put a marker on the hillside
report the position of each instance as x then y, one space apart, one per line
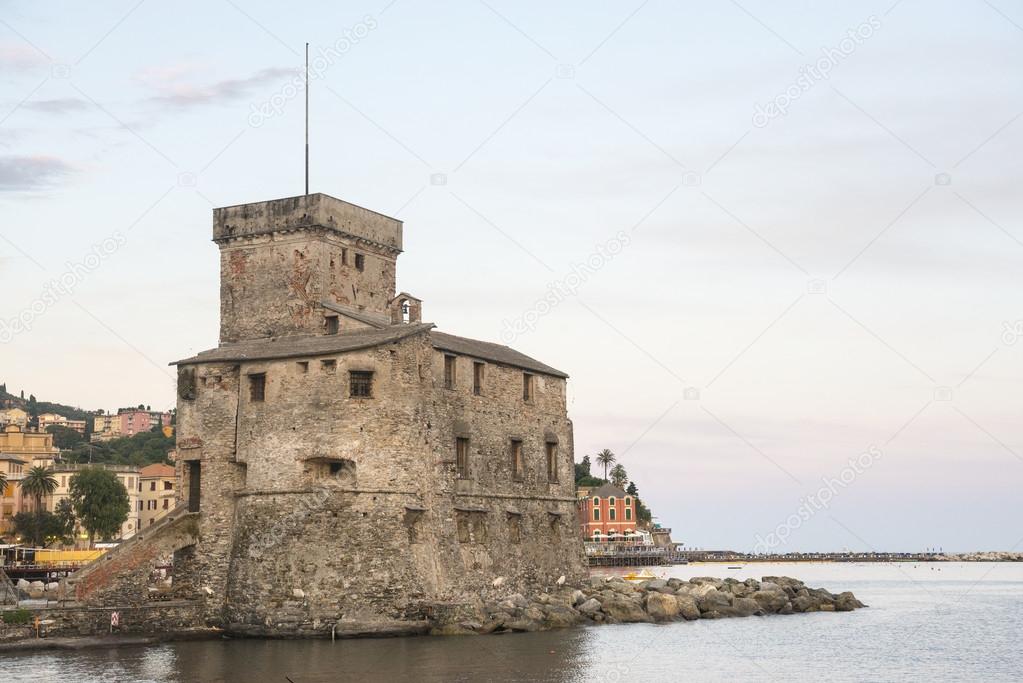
9 400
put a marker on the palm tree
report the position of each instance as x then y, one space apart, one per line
619 476
605 458
37 483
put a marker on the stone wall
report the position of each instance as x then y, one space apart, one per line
121 576
161 619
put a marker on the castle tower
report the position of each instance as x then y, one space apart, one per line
282 260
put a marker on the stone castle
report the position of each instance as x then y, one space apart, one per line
348 466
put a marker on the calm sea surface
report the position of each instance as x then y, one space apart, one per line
949 622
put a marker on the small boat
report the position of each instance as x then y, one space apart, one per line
644 575
735 567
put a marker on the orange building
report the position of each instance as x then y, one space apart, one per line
606 513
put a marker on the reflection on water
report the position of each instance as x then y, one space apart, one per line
953 621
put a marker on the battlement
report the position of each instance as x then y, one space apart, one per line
315 211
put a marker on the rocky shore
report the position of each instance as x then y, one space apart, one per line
614 600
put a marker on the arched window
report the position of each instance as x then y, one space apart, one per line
611 501
596 514
628 501
611 514
596 534
596 501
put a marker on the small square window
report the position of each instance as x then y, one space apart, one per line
257 387
361 384
331 323
344 256
303 366
329 366
360 262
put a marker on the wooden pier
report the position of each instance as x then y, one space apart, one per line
630 555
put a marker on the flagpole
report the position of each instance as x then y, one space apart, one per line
307 119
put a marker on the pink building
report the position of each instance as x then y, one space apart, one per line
138 420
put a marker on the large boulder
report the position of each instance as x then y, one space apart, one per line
714 600
771 601
591 606
661 606
625 610
698 590
746 607
804 603
562 617
687 607
846 602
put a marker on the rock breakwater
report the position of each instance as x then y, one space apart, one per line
615 600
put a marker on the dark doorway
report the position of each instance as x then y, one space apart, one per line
194 483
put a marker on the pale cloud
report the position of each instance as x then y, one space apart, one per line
61 105
20 57
26 173
177 93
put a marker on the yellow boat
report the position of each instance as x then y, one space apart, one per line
644 575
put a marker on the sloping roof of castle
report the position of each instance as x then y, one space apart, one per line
492 352
326 344
305 345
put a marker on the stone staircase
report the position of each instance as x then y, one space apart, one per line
121 576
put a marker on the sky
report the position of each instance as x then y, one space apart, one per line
777 246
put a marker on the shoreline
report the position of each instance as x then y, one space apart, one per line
600 601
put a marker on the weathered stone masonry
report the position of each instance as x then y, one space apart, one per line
322 506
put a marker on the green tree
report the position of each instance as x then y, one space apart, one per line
632 490
64 511
605 458
3 484
618 475
65 438
33 405
100 502
38 528
37 483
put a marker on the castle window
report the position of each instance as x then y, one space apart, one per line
329 366
361 384
596 514
477 378
516 455
514 527
257 387
462 457
552 462
527 387
360 262
332 325
462 526
344 256
450 368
